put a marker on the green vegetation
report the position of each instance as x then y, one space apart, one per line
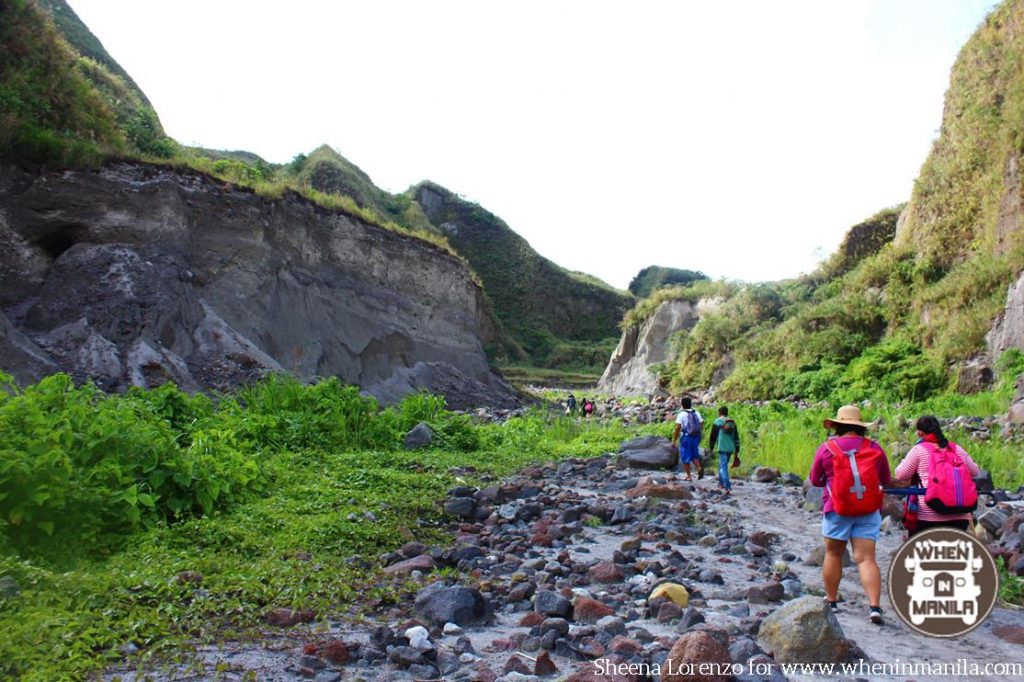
539 376
279 496
559 318
268 494
654 277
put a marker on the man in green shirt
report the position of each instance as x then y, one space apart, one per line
726 438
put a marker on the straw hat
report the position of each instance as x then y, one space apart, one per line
847 414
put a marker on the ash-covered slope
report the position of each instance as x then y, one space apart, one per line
135 274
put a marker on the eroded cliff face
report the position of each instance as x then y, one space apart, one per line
629 371
136 275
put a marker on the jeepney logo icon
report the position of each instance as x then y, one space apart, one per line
943 582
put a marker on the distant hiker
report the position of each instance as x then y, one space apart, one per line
687 434
946 472
852 470
570 404
588 407
726 438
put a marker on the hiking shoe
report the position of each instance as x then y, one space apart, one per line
834 605
875 615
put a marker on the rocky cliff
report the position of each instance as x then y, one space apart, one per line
135 274
631 370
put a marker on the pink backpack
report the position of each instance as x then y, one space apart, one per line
950 489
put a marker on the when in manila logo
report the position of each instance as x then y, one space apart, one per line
943 582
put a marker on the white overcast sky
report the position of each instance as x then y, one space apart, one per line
740 138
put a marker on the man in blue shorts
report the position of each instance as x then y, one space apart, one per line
687 434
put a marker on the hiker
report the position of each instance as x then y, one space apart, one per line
852 469
917 469
726 437
570 405
588 407
687 434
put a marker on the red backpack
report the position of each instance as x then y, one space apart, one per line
950 489
855 488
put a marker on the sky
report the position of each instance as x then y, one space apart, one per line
742 138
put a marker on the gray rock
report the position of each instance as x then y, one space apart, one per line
650 452
462 507
612 625
805 631
406 656
9 587
993 519
813 498
742 649
421 671
791 479
440 604
420 436
552 604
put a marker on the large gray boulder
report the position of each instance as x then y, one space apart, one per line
649 452
439 604
805 631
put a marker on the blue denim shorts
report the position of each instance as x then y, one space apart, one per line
839 527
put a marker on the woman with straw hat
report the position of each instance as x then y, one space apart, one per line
852 469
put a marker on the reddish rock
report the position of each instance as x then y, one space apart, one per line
587 610
531 619
310 649
625 646
541 540
516 664
667 611
502 645
606 572
1010 633
336 651
544 665
691 650
287 617
762 538
765 593
1011 525
422 563
307 672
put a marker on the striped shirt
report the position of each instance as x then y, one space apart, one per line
917 461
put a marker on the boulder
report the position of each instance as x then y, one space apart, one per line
422 563
763 474
805 631
588 610
650 452
691 650
420 436
439 604
462 507
552 604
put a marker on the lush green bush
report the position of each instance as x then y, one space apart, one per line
79 469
